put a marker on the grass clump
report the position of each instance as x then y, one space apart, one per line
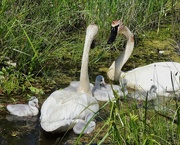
127 124
31 31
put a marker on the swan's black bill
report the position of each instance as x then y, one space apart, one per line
113 35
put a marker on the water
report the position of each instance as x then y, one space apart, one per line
15 131
27 131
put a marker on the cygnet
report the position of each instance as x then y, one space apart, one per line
104 92
22 110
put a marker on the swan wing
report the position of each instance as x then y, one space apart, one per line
62 107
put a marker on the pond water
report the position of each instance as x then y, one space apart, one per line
15 131
27 131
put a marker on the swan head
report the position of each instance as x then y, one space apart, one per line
100 81
92 30
116 27
33 102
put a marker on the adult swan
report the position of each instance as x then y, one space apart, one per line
164 75
63 109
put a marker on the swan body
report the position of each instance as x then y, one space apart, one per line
25 110
165 75
74 85
63 109
104 92
141 95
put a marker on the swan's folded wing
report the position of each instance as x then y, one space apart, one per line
61 109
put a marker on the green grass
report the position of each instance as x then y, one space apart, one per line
45 39
32 31
127 124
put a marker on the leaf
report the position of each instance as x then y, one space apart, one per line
36 90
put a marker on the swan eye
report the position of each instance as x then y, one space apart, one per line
176 73
115 28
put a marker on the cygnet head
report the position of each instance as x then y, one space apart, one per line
33 102
153 89
123 82
100 81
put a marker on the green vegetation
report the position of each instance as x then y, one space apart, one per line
41 48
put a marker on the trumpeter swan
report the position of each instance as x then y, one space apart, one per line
104 92
22 110
63 109
165 75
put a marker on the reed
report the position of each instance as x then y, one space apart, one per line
32 31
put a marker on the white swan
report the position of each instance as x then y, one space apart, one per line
104 92
63 109
22 110
165 75
141 95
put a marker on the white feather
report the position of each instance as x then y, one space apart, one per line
164 75
64 108
30 109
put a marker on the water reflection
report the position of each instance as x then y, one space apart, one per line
19 131
23 121
16 130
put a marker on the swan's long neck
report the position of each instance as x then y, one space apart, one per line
84 77
115 71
